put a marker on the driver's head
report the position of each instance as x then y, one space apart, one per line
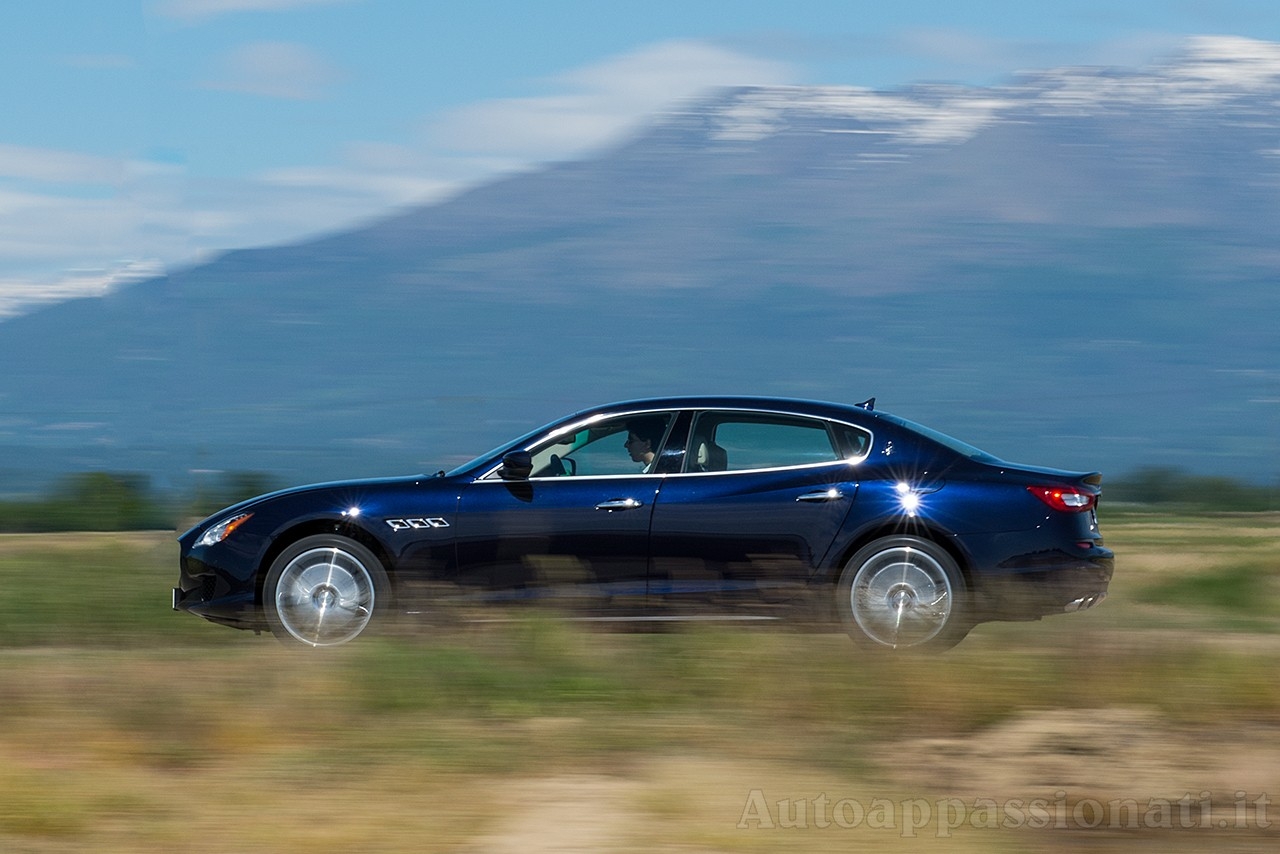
644 435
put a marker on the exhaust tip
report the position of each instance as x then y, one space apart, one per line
1084 603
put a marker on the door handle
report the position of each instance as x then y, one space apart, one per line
831 494
619 504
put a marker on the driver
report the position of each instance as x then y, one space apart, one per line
644 435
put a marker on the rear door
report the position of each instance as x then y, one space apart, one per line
760 500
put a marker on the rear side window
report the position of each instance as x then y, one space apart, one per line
740 441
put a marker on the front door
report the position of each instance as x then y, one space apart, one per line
576 532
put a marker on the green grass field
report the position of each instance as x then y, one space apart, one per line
126 727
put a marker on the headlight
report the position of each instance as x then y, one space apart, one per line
222 530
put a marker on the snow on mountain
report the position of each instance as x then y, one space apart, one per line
19 296
1211 72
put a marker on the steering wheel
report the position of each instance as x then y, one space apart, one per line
559 467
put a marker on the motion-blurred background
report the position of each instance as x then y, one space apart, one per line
327 239
248 243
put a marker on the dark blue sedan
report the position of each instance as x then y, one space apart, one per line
671 509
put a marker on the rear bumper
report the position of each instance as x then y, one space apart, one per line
1057 583
1084 603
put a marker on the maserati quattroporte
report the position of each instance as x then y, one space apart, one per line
671 509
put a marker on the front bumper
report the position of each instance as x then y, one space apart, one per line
239 611
224 595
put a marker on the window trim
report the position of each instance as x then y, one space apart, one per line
799 416
491 474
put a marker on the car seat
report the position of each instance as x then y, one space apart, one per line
709 456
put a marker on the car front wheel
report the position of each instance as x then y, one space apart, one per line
324 590
901 593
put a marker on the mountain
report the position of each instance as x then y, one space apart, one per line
1077 269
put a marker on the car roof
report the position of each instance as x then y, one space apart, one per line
776 404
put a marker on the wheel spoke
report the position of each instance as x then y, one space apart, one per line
901 597
325 596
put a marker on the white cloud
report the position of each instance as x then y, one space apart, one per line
379 188
63 210
60 167
42 229
202 10
593 105
276 70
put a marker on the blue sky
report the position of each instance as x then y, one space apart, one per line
137 136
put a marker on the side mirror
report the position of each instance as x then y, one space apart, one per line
516 465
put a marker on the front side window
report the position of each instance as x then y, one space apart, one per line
616 446
742 441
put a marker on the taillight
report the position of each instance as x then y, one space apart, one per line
1067 499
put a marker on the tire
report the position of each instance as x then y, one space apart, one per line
323 591
903 593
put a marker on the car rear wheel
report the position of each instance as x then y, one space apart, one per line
324 590
903 593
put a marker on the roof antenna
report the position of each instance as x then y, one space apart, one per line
869 404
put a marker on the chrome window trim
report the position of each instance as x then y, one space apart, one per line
797 467
490 475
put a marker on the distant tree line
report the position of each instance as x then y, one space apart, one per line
123 501
1170 487
113 501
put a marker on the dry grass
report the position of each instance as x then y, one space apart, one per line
150 731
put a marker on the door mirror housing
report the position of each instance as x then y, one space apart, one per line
516 465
